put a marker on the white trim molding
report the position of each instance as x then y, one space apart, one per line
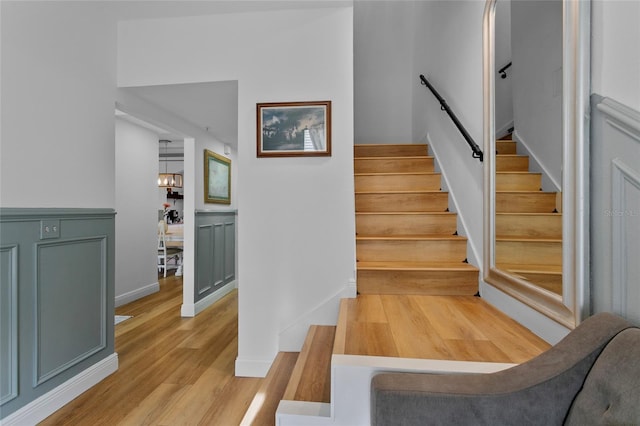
291 338
625 188
47 404
193 309
136 294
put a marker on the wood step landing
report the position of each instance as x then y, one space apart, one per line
464 328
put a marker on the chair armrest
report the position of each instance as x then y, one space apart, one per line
460 399
539 391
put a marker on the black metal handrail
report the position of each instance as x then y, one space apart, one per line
503 70
477 152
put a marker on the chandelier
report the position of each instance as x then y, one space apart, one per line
166 179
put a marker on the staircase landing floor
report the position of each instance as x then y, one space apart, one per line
462 328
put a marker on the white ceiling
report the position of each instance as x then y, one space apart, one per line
157 9
212 106
209 106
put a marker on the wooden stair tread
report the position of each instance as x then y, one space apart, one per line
311 376
517 172
523 191
549 269
405 157
412 191
527 214
398 213
434 237
397 174
529 239
273 388
416 266
390 144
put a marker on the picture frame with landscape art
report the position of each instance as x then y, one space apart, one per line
294 129
217 178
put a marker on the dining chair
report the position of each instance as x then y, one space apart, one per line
166 253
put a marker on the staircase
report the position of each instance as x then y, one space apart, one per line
406 238
415 309
528 221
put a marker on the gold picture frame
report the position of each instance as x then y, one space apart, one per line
217 178
294 129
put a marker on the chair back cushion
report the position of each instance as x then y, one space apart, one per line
611 392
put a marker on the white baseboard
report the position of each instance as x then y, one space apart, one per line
326 313
549 183
252 367
42 407
546 328
193 309
136 294
473 253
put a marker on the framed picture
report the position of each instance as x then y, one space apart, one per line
217 178
289 129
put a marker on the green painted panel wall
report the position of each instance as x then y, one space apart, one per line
63 269
215 251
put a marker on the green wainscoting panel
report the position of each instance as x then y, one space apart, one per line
8 323
204 254
215 251
56 296
75 267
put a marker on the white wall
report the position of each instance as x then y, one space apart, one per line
503 86
136 150
615 67
615 56
383 74
536 45
58 75
295 215
448 51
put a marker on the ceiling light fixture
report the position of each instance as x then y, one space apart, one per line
166 179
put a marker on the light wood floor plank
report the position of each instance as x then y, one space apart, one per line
172 370
413 332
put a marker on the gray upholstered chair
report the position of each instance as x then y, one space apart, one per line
590 377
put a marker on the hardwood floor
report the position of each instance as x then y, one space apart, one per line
172 371
180 371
